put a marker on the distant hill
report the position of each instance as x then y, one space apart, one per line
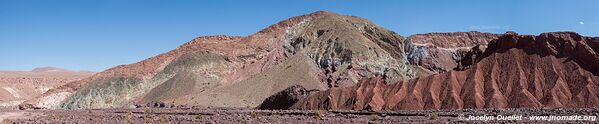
49 69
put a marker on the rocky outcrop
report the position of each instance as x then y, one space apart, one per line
285 99
442 52
552 70
317 51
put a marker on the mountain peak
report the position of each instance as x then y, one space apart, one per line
323 12
296 20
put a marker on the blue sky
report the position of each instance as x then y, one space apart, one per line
96 35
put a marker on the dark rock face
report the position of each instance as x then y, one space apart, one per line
469 57
27 107
552 70
285 98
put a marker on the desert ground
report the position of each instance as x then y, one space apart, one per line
245 115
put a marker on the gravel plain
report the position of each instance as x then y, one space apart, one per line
244 115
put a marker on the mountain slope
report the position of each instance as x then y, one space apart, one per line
18 86
318 51
552 70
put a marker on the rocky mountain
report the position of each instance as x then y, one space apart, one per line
18 86
552 70
318 51
325 60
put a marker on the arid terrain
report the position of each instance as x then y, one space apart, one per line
240 115
325 67
317 51
18 86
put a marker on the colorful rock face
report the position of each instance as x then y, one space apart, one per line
441 52
552 70
324 50
317 51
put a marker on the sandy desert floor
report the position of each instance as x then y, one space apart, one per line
240 115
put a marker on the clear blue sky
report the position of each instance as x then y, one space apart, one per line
99 34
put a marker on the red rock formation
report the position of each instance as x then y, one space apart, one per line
553 70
